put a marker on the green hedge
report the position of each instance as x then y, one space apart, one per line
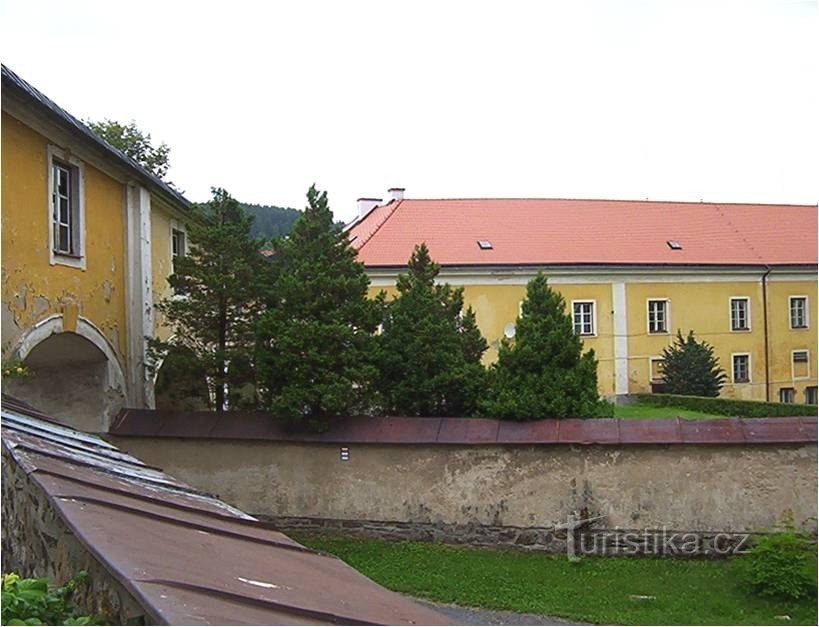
727 406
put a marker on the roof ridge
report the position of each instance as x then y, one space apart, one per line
624 200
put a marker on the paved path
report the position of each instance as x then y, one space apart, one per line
477 616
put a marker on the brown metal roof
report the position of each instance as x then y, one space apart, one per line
403 430
185 556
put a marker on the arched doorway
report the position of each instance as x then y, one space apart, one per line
73 375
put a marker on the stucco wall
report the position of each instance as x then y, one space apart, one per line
32 288
685 487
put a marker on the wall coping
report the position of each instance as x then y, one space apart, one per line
263 426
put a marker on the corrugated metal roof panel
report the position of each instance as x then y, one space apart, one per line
186 556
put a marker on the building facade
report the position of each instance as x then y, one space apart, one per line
88 240
633 273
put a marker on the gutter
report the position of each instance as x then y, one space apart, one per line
768 270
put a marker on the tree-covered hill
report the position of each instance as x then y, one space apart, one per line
271 221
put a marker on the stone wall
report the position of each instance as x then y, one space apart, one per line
514 495
37 543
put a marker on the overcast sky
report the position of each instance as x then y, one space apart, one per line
659 100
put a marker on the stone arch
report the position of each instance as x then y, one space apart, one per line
74 374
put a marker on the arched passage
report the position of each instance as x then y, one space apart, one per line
74 375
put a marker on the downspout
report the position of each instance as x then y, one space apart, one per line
765 330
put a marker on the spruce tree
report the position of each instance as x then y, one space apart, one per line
690 367
428 353
315 337
544 372
217 297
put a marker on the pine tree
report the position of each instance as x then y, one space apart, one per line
217 297
544 373
315 337
428 354
690 367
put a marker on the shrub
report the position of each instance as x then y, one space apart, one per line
727 406
429 352
781 564
690 367
34 602
544 373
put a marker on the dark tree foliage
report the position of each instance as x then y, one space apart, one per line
691 368
217 299
270 221
135 143
428 354
544 372
315 337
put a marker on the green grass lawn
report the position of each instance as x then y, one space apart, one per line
597 590
650 411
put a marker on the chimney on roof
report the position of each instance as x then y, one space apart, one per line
396 193
365 205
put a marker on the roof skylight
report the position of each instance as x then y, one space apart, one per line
484 244
674 244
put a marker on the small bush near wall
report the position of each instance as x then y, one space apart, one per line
727 406
782 564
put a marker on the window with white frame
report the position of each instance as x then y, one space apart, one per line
65 208
799 312
810 395
800 364
177 243
583 317
786 395
658 316
741 368
740 314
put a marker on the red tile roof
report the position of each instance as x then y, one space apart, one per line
554 231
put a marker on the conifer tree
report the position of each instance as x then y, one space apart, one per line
544 372
315 337
690 367
217 296
428 353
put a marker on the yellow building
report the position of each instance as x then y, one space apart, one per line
742 276
87 243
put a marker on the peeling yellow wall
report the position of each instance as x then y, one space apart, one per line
161 264
32 288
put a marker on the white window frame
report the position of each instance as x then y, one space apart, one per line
651 360
750 369
793 366
77 259
807 312
667 302
747 300
593 303
176 226
792 395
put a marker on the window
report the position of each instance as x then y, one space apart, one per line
799 312
177 243
658 316
740 314
583 317
484 244
656 368
810 395
177 250
65 209
741 368
786 395
800 364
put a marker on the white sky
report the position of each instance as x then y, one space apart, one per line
661 100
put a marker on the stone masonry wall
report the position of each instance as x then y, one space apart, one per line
37 543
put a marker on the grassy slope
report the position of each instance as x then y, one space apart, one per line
593 589
650 411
